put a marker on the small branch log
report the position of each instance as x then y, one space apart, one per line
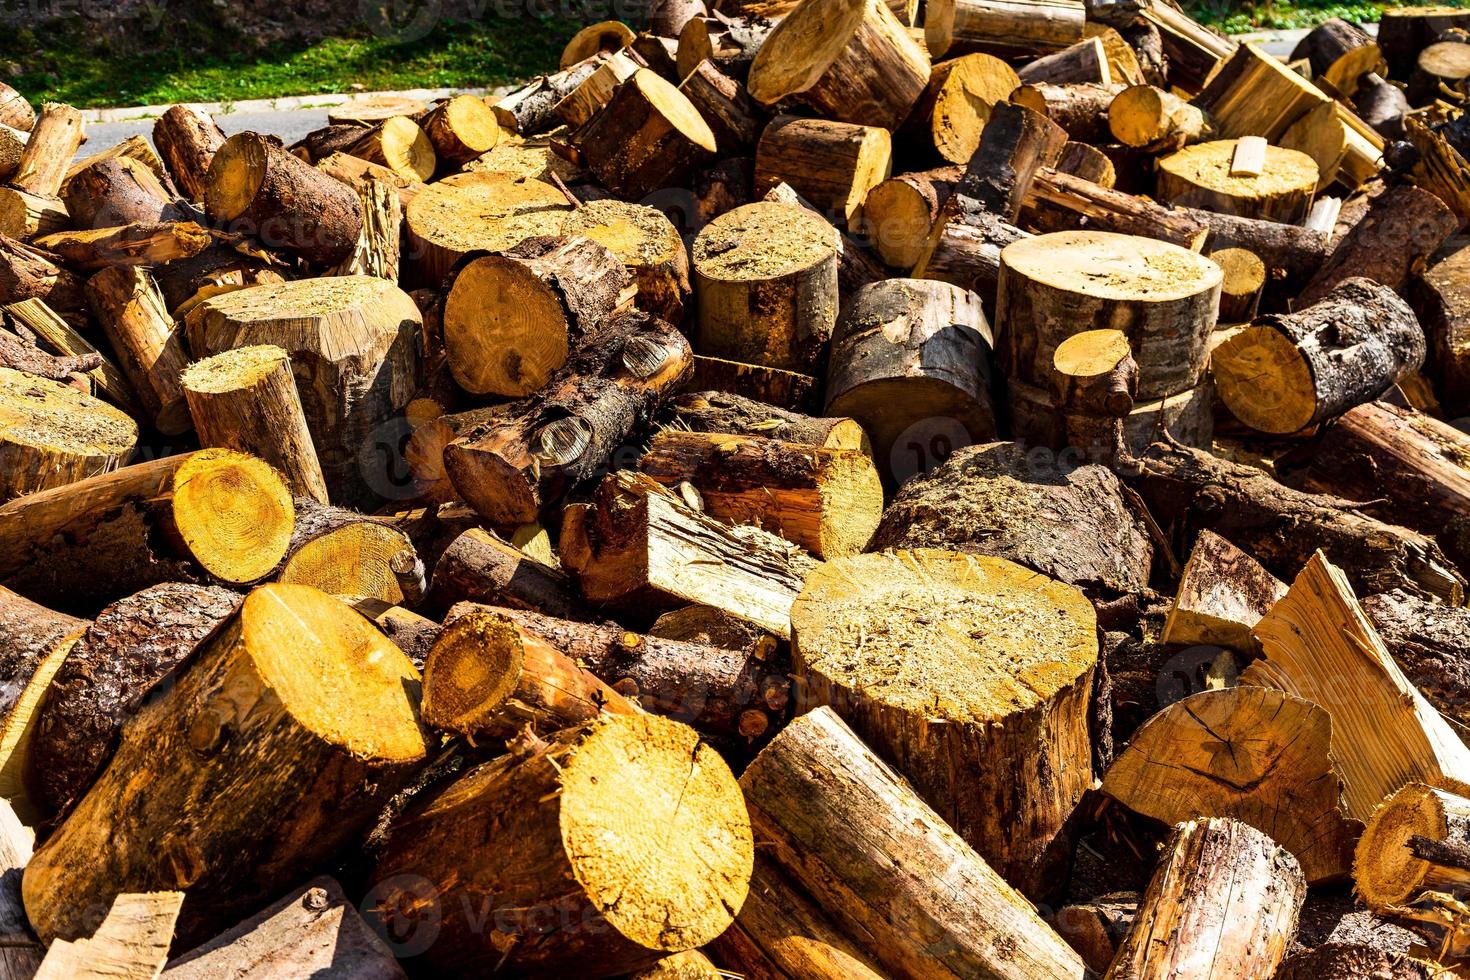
832 164
461 128
399 144
187 139
898 214
479 567
733 116
730 414
531 109
1414 842
130 309
1155 121
1081 110
1082 63
1059 201
118 191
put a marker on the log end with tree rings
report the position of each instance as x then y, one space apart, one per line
1388 869
1200 176
961 94
649 247
1265 381
352 561
372 109
52 434
1240 289
603 37
478 212
1446 61
234 514
402 146
461 129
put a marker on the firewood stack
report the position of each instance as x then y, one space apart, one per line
817 489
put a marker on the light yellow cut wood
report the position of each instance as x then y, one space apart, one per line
1249 158
1385 871
234 513
131 944
1202 176
52 434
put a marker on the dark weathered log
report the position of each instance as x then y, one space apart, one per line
118 191
1058 201
1081 110
479 567
1403 227
722 412
187 139
1431 644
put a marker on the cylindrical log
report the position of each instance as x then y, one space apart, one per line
967 254
766 286
1016 144
531 109
346 554
728 414
1289 371
479 567
236 800
1403 227
1010 25
1339 52
132 645
511 320
49 151
625 830
26 216
648 136
898 215
1222 905
1088 163
649 247
128 305
1382 105
733 116
1082 63
482 212
668 17
1059 201
399 144
15 111
850 60
1202 176
605 36
187 139
1151 119
850 912
51 434
856 266
1240 289
1164 298
910 363
256 187
832 164
1292 253
231 513
461 128
29 273
958 101
729 43
118 191
1405 31
1081 110
1093 381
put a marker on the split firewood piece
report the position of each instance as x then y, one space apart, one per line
1255 94
257 187
118 191
1440 296
1431 644
12 147
1339 52
527 456
958 101
26 216
648 879
399 144
1249 157
649 247
856 265
29 273
729 43
766 285
1223 593
351 556
910 365
15 111
850 60
132 645
377 250
530 109
1403 227
188 139
1163 297
1203 176
485 212
1094 928
98 248
461 128
731 693
1222 905
1283 527
826 500
1088 163
733 116
53 142
136 149
1240 289
604 37
729 414
648 136
1081 110
786 389
51 434
1346 149
1016 143
1192 51
1082 63
921 688
1417 840
1014 26
1318 642
21 953
128 305
480 567
58 335
616 544
1154 120
832 164
1074 526
511 320
1057 201
245 399
182 802
1093 381
818 771
967 254
313 931
898 215
353 343
487 677
1292 370
1250 754
130 944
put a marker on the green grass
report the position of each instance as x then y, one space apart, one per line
1241 18
487 52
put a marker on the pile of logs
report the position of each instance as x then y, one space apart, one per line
982 489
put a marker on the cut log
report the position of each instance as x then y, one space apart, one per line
1254 94
784 389
641 876
39 319
766 286
15 111
1417 840
399 144
245 399
133 644
1289 371
511 320
530 109
649 247
729 43
1431 644
29 273
1440 296
634 544
1339 52
461 128
1187 418
231 513
668 17
1083 63
355 172
1008 25
1093 381
832 164
52 434
1081 110
1059 201
844 893
1292 254
130 944
958 101
118 191
348 555
448 221
1403 227
967 254
479 567
1405 31
23 355
1015 145
604 37
729 414
98 248
229 805
1205 176
1250 754
1070 524
487 677
1163 297
910 364
1095 928
1154 120
314 931
53 142
187 139
1223 904
1382 105
1240 289
512 466
648 136
688 965
26 216
898 215
1192 51
733 116
852 61
856 265
1318 643
1223 593
352 341
1088 163
1345 148
127 303
927 695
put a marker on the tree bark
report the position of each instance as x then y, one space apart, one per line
1081 110
128 305
531 108
479 567
461 128
1060 201
1082 63
53 142
648 245
728 414
832 164
1431 644
647 137
51 434
188 139
118 191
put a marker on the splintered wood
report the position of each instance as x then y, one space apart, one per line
811 489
